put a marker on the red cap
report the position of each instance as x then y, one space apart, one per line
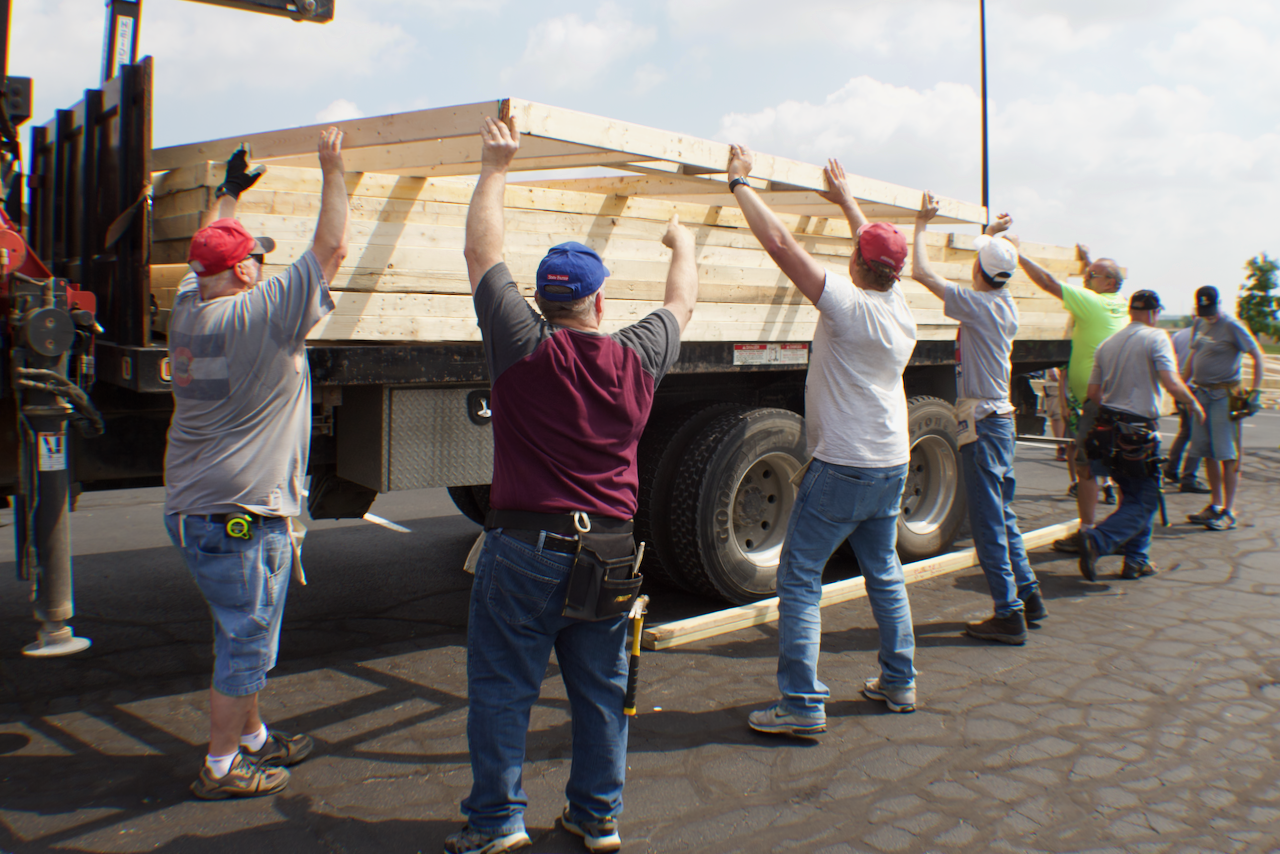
221 245
884 244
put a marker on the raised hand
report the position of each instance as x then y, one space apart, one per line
1002 223
330 151
676 233
740 161
928 207
837 191
500 141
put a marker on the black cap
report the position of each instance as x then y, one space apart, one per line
1207 301
1145 301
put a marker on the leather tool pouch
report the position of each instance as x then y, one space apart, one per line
603 582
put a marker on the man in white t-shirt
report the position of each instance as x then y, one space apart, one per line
856 426
988 319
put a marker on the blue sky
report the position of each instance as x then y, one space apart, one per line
1149 130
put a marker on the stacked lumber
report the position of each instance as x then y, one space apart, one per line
405 279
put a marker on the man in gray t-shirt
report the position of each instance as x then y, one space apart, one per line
1218 341
236 455
988 322
1129 369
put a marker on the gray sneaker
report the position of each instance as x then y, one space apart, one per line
597 834
898 699
1224 521
776 719
471 840
1204 515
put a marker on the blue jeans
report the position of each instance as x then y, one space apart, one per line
989 485
515 621
245 583
837 503
1129 527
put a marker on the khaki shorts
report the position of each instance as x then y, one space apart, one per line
1052 402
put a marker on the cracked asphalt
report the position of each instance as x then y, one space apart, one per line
1141 716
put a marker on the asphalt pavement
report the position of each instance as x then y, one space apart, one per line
1140 717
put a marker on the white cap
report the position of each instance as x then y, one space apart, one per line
998 257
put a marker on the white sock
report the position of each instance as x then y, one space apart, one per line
255 741
220 765
1216 508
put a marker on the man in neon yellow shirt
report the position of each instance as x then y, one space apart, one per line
1098 312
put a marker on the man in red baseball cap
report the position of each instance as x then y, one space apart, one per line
236 455
856 426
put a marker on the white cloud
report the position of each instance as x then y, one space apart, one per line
646 78
338 111
570 53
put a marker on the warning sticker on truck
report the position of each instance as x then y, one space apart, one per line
771 354
52 449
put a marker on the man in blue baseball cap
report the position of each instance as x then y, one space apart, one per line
569 404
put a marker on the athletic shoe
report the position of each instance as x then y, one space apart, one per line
898 699
598 834
1224 521
1170 475
1137 570
1088 557
471 840
1070 545
1194 486
1203 516
775 719
1108 495
1033 610
245 779
1074 489
281 749
1011 629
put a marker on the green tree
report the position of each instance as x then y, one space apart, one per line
1257 306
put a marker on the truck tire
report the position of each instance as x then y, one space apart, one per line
662 448
731 498
933 501
471 501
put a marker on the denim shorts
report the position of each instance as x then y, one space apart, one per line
245 583
1217 437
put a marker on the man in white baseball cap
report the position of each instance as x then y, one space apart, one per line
988 321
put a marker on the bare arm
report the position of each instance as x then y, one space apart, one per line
1093 392
330 243
1042 277
486 217
682 276
1174 385
805 273
839 194
920 269
226 207
1259 368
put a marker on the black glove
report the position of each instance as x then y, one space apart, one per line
239 176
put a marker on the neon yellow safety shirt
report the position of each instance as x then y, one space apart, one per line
1097 317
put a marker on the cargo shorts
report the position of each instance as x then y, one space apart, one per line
244 583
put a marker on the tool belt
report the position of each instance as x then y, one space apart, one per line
1126 444
239 525
1217 386
605 578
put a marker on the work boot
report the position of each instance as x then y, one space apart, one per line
1070 545
1088 557
281 749
1011 629
1033 610
245 779
1137 570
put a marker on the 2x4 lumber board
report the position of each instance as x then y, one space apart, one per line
681 632
388 130
641 141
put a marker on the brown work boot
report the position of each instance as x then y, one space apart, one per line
246 779
281 749
1011 629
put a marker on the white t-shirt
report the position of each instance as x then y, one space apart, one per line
988 323
855 403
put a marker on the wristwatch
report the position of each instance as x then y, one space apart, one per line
736 182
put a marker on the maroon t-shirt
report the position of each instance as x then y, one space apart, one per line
568 406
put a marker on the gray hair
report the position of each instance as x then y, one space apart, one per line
558 312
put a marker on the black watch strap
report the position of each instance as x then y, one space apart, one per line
736 183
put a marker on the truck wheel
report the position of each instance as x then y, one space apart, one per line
731 499
471 501
933 502
662 448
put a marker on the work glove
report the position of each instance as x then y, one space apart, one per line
239 176
1253 404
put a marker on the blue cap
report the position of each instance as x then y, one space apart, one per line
570 271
